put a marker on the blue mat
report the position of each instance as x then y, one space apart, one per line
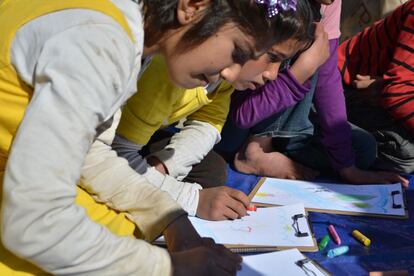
392 245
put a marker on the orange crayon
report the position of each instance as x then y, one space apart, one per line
252 207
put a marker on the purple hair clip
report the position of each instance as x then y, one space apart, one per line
275 6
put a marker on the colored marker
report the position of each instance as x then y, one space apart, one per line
361 237
338 251
324 242
252 207
334 234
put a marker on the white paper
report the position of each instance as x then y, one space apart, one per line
277 263
372 199
265 227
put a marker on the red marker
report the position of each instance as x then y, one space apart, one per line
334 234
252 207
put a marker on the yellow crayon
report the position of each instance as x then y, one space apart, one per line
360 237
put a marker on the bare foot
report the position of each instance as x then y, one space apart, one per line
258 158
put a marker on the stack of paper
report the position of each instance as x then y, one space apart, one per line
287 262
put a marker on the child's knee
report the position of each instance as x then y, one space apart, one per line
219 170
210 172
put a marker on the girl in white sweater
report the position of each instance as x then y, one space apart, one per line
65 68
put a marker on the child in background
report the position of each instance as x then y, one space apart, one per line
377 69
184 165
284 145
66 67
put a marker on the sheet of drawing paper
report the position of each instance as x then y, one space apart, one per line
277 263
273 226
372 199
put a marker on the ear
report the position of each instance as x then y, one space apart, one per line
190 11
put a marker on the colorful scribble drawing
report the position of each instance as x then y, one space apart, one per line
288 228
350 197
245 229
266 226
265 194
249 225
285 219
358 201
245 226
375 199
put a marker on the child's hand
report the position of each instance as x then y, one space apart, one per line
309 61
157 164
370 88
357 176
221 203
181 235
206 260
362 81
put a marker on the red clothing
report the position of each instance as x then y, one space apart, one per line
386 49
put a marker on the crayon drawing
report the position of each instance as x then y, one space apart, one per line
245 229
265 194
371 199
264 227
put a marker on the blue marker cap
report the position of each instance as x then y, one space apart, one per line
338 251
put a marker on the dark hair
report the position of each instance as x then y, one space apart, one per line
247 15
316 10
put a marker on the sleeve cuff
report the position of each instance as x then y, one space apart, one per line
187 196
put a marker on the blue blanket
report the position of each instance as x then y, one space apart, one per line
392 246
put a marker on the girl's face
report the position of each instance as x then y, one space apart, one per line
256 72
228 55
219 57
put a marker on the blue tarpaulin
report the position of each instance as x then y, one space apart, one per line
392 246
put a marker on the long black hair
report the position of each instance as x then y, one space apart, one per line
247 15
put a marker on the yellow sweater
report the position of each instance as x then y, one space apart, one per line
159 103
15 96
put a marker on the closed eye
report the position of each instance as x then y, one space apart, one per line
240 55
273 58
